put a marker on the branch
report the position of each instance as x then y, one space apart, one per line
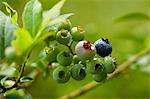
35 42
94 84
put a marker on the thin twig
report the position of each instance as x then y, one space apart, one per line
86 88
20 73
23 65
35 42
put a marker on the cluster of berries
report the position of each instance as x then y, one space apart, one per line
82 57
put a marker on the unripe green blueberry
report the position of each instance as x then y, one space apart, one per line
100 77
64 58
76 59
85 50
73 44
10 53
109 66
52 53
49 39
65 25
78 72
61 74
63 37
77 33
94 66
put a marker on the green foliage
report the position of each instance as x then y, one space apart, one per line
7 83
37 28
9 72
7 29
26 79
32 17
56 23
17 94
52 13
10 53
133 16
13 13
23 41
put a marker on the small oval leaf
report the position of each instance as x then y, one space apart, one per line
133 16
52 13
13 13
9 72
55 22
26 79
7 33
32 17
7 83
23 41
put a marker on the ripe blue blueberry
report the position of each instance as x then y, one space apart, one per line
103 47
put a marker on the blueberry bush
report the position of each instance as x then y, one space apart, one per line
46 41
63 48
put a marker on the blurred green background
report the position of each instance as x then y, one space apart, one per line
127 37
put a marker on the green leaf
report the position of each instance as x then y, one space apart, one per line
133 16
52 13
7 33
32 16
17 94
9 72
55 23
13 13
14 93
2 14
60 19
33 74
23 41
147 41
8 7
26 79
7 83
